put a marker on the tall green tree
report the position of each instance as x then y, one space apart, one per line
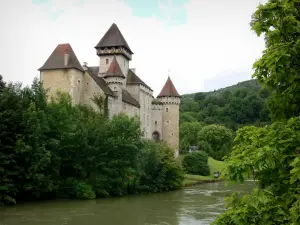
279 66
218 138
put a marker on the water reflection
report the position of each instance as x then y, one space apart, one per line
196 205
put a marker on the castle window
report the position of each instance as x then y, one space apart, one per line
167 109
167 122
172 133
155 122
107 61
125 106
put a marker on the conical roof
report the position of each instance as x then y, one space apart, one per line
56 59
113 38
168 90
114 69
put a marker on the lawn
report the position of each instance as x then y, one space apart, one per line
214 166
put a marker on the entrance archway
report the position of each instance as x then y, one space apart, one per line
156 136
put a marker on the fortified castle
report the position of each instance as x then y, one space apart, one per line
113 79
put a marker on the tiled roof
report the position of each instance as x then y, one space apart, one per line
168 90
126 97
114 69
93 72
113 38
132 78
56 59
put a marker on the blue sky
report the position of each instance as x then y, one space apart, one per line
206 44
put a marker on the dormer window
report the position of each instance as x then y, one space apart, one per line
107 61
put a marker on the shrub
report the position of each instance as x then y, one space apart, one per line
159 169
196 163
84 191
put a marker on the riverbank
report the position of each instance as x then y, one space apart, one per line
190 180
214 165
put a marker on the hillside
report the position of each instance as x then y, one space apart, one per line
233 106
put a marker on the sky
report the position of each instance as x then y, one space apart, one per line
202 44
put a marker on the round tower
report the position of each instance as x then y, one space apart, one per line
115 79
170 100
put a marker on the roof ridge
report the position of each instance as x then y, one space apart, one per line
132 78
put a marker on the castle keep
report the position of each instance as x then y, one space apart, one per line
114 79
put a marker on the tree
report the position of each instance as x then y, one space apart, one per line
218 137
2 83
279 67
188 134
196 163
271 155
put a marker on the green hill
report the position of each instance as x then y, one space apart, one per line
233 106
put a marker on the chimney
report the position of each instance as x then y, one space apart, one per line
66 58
85 66
133 70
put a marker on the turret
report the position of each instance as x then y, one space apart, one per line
115 78
170 100
111 45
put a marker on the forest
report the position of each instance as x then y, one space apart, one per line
235 106
55 150
209 120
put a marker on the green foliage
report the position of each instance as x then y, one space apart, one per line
65 150
160 171
233 107
188 134
216 140
196 163
84 191
271 155
278 68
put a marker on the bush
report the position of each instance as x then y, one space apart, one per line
84 191
196 163
159 169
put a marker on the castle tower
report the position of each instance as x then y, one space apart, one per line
170 100
113 44
115 79
62 71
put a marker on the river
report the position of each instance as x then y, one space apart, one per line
189 206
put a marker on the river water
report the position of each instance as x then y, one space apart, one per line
193 205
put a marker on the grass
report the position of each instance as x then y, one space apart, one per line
214 166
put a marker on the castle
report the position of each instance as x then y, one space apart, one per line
113 79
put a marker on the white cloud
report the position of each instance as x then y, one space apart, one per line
216 40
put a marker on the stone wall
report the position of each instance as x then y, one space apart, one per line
170 121
145 100
89 89
156 123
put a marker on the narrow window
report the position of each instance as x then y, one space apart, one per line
167 109
155 122
107 61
